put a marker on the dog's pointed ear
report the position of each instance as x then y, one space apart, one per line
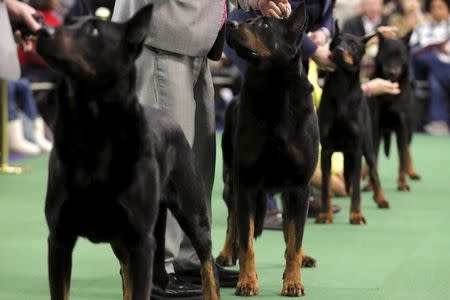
137 27
298 19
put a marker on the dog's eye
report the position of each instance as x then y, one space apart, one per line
265 25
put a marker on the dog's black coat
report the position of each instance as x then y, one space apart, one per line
270 141
395 113
345 125
116 166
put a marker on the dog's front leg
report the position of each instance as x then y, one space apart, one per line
139 270
412 173
402 146
60 266
326 214
352 162
294 218
248 280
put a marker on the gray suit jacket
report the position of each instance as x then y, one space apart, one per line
9 63
187 27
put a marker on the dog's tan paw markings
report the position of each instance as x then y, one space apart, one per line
293 289
308 262
324 218
403 186
357 219
247 288
383 204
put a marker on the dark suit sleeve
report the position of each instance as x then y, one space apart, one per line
327 17
308 47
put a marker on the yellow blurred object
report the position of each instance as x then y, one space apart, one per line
337 160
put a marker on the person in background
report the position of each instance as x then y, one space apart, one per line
431 61
408 16
173 74
367 22
20 93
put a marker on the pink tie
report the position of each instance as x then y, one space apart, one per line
224 16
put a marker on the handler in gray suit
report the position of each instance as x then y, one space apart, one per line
173 74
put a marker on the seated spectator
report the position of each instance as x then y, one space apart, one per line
431 61
367 22
408 17
19 92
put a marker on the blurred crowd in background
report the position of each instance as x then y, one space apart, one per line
31 103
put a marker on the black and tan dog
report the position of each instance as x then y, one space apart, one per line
394 113
116 166
270 144
345 126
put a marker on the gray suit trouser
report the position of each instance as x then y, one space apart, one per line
182 86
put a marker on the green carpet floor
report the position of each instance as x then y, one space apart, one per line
402 253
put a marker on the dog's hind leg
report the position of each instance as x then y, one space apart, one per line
402 146
294 217
352 163
410 169
369 156
60 266
326 214
190 210
160 277
228 255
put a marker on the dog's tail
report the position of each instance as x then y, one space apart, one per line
347 173
387 143
260 214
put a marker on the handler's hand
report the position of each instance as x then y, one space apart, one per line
275 8
378 86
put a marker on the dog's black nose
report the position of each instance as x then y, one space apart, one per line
45 31
232 24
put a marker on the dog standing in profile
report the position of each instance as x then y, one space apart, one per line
345 126
394 113
116 166
270 144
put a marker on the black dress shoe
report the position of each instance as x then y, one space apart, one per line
227 278
315 206
177 288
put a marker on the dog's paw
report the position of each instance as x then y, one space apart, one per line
383 204
414 176
357 219
225 260
381 201
247 287
403 186
324 218
308 262
293 289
